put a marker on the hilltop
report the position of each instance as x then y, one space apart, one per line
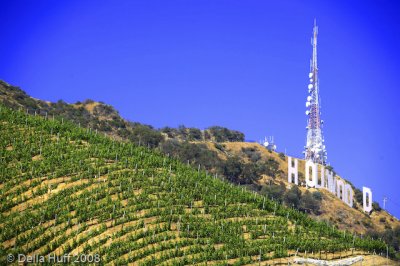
106 119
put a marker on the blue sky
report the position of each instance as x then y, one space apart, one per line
239 64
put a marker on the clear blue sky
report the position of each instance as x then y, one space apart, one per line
239 64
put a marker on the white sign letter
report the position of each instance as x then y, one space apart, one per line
314 169
348 191
367 206
293 171
331 181
340 190
322 177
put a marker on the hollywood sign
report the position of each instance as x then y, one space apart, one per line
327 180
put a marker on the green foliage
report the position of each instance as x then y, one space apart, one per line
293 196
390 236
195 134
239 172
376 207
270 167
274 191
358 195
252 154
145 135
317 195
196 154
130 204
222 134
309 203
219 146
232 169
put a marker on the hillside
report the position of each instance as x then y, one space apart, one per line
219 151
66 189
331 209
104 118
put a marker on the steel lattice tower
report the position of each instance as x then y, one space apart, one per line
315 148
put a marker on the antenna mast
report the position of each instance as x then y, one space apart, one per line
315 148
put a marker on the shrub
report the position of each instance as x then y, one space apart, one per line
375 206
219 146
195 134
252 154
222 134
274 191
317 195
292 196
358 195
232 169
308 202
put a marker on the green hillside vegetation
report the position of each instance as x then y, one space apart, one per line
104 118
219 151
65 189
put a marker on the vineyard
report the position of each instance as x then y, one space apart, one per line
66 189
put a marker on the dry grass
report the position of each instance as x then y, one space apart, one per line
349 218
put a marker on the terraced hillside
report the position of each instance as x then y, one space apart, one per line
65 189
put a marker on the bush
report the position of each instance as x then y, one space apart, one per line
308 202
358 195
269 167
195 134
195 153
292 196
317 195
222 134
274 191
232 169
366 222
375 206
171 132
145 135
252 154
219 146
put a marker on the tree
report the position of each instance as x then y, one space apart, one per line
222 134
145 135
232 169
293 196
274 191
195 134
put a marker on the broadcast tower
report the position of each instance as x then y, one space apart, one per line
315 148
